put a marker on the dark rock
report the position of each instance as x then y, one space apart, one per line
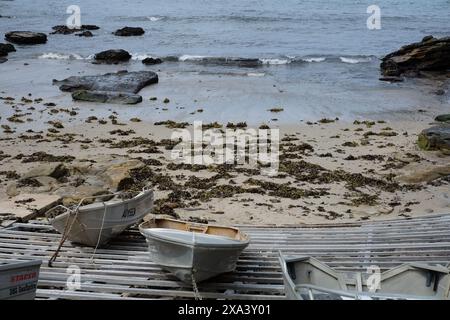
391 79
107 97
63 29
439 92
429 55
443 118
427 38
26 37
89 27
122 81
435 138
3 60
85 34
129 31
151 61
113 56
5 49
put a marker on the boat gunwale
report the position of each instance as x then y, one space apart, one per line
98 205
20 265
242 242
87 209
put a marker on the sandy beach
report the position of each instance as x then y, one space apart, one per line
331 170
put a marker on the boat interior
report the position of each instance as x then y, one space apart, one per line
229 232
420 279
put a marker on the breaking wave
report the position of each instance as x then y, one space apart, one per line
61 56
354 60
227 61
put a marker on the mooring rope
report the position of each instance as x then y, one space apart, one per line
197 295
100 233
64 237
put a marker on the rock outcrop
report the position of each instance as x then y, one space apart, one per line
129 32
430 54
435 138
54 170
112 56
118 174
26 37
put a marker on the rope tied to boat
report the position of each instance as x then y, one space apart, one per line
100 232
65 234
197 295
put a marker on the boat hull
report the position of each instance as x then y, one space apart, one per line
91 226
18 281
185 261
193 252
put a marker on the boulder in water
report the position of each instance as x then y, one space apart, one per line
6 48
430 54
112 56
129 32
151 61
26 37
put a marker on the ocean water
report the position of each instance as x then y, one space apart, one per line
266 29
318 52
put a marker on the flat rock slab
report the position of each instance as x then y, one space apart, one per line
419 173
26 37
122 81
28 205
106 97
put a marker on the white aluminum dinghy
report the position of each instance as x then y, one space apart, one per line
95 224
306 278
193 252
18 280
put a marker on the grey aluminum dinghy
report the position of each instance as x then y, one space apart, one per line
306 278
193 252
96 223
18 280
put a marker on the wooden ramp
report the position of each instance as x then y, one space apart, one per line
123 270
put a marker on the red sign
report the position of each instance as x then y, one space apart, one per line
22 277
